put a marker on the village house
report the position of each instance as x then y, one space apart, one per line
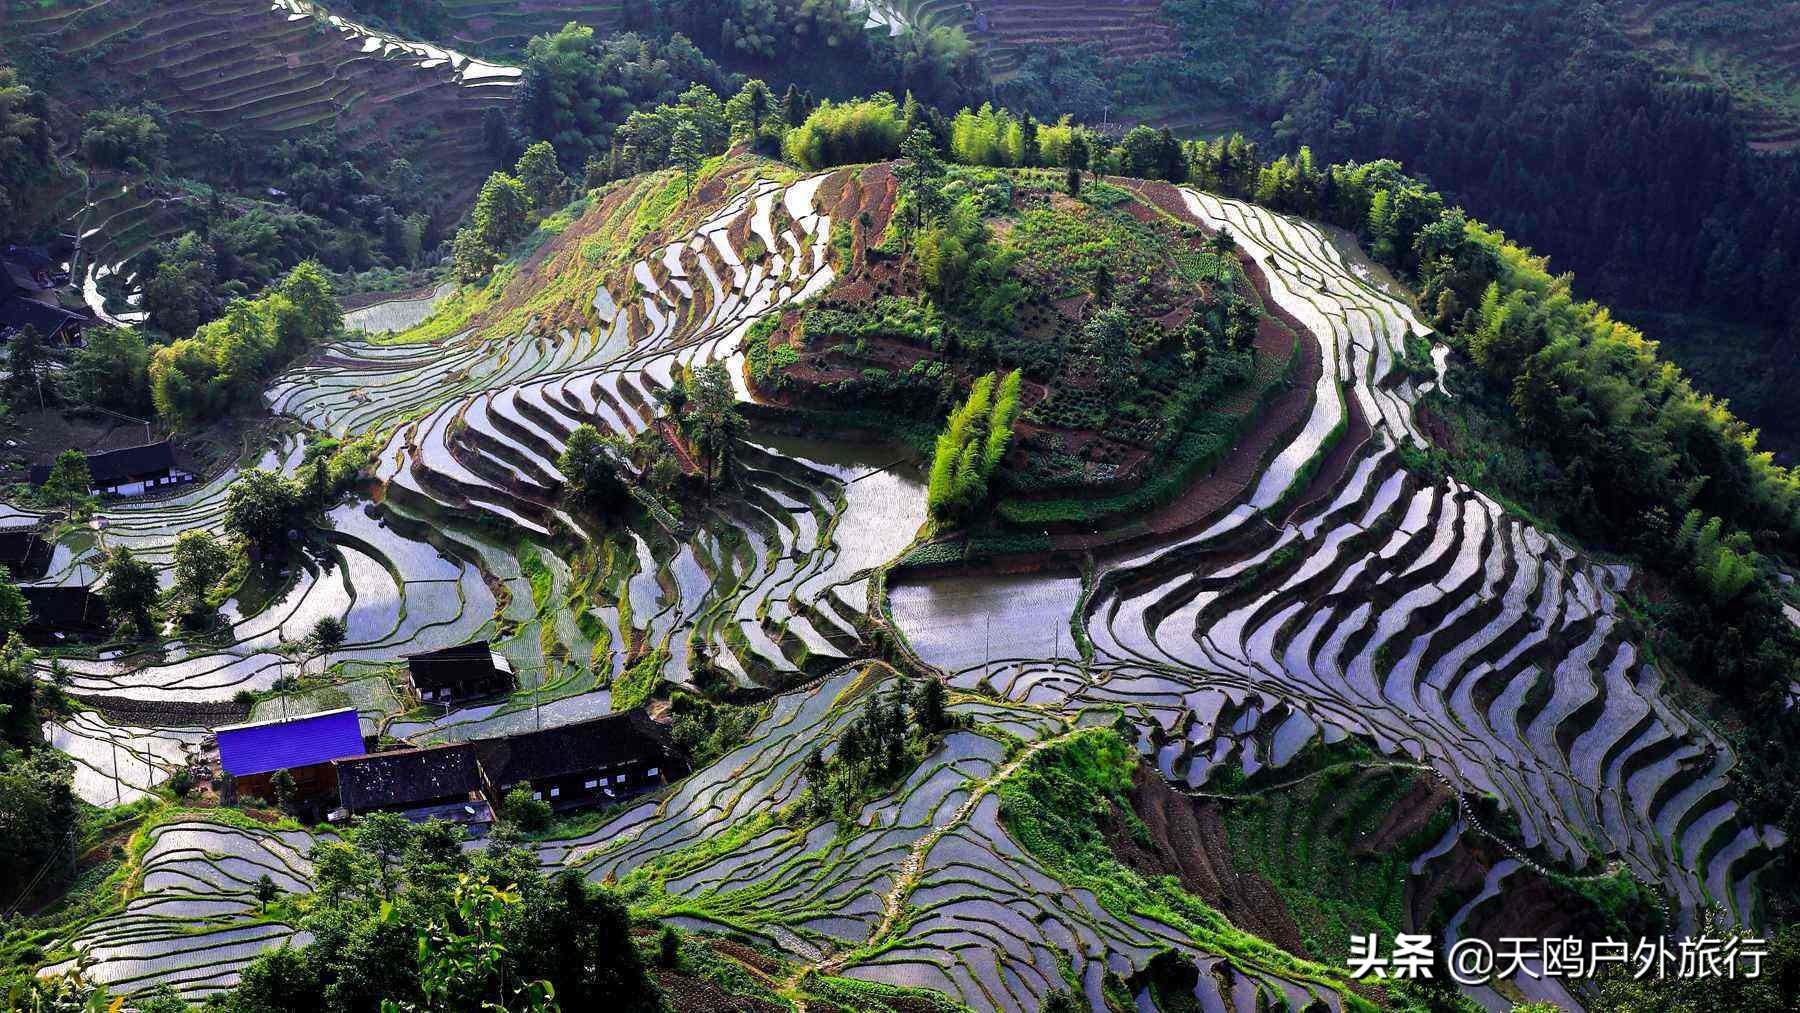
24 553
594 762
131 471
455 674
303 746
61 614
28 299
442 782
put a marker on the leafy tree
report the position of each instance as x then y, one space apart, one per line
668 948
266 890
328 635
498 221
530 814
865 130
222 365
112 371
37 821
200 563
794 107
462 955
312 311
20 727
287 792
989 136
748 111
122 139
685 153
70 483
25 147
130 589
712 419
921 177
179 292
579 89
971 447
404 914
593 482
261 507
14 609
27 360
542 176
1107 338
930 706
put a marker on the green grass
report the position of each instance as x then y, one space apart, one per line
1300 839
639 682
1056 805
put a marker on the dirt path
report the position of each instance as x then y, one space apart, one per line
894 902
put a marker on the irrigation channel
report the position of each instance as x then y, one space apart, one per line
1418 615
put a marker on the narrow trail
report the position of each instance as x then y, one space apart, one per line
894 902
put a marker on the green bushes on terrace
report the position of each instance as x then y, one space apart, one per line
220 368
1061 805
971 446
865 130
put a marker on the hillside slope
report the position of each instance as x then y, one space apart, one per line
1336 594
257 73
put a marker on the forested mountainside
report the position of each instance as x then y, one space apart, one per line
705 509
1650 147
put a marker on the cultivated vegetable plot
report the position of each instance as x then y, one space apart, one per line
1421 616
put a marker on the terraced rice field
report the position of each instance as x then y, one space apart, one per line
768 583
195 921
1338 595
1005 30
929 874
1422 616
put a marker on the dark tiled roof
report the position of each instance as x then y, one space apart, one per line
451 666
49 320
408 778
24 554
110 467
573 749
65 609
283 745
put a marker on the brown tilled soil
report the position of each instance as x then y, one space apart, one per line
1435 429
1187 841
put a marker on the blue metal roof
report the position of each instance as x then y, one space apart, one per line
296 742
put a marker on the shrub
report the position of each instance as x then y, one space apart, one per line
529 814
971 446
865 130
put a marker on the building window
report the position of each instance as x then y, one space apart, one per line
652 772
590 785
554 792
537 796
